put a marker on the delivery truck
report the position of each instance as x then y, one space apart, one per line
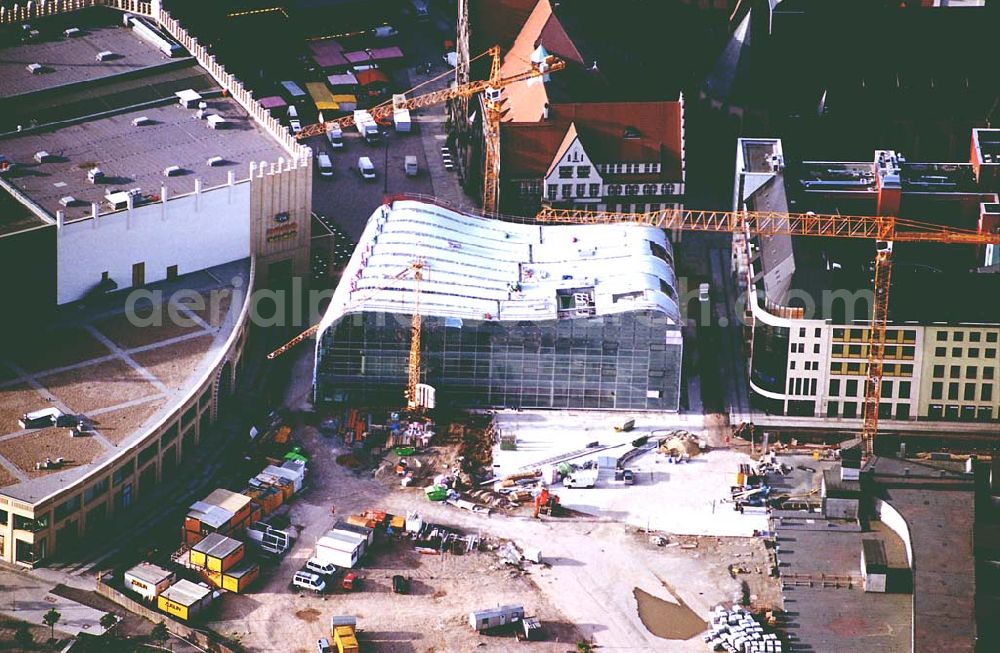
367 126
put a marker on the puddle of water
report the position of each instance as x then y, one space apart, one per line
665 619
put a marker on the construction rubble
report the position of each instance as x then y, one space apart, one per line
738 631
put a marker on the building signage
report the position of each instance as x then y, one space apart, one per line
282 232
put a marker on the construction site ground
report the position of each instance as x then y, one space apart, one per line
594 568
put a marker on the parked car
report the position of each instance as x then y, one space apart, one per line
366 168
295 125
323 645
350 581
321 567
400 584
628 476
703 292
308 580
324 164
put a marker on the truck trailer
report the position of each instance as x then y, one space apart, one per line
367 126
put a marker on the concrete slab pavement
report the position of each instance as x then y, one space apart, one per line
28 598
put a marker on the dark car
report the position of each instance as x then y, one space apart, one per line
400 584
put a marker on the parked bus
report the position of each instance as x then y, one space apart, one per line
323 99
294 93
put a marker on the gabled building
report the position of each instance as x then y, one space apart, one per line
613 156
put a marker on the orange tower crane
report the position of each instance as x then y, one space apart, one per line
883 229
491 123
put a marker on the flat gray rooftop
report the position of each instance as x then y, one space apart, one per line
135 157
835 619
939 508
68 60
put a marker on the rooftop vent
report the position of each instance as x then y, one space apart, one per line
72 32
171 171
69 200
105 55
140 121
94 175
35 68
216 121
215 161
42 156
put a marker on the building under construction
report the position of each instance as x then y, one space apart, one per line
513 315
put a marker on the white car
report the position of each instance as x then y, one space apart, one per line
295 125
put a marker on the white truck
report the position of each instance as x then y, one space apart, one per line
366 125
401 118
582 478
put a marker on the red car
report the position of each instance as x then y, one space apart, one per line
350 581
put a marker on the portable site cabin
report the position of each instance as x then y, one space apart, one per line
874 565
148 580
217 552
237 578
203 519
340 551
275 104
236 503
363 531
185 599
496 617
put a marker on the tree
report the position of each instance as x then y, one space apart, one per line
23 636
159 633
50 619
108 623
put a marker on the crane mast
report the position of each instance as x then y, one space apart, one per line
413 365
883 229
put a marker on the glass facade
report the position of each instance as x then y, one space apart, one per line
624 361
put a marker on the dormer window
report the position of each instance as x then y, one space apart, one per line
631 133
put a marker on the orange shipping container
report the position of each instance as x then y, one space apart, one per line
360 520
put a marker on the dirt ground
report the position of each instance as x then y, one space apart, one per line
97 386
173 364
593 569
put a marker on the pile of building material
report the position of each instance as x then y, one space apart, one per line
737 631
682 444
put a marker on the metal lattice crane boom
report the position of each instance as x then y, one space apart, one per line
883 229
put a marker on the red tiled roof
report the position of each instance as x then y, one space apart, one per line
528 148
497 22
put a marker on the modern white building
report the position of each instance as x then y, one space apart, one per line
513 314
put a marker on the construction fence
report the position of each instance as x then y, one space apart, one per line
206 640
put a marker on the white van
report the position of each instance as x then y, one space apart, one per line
320 566
292 111
366 168
410 166
307 580
336 137
324 164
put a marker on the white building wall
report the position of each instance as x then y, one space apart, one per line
193 232
574 157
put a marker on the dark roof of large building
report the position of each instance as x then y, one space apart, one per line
609 132
939 509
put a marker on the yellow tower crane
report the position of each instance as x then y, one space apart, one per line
413 399
491 122
883 229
